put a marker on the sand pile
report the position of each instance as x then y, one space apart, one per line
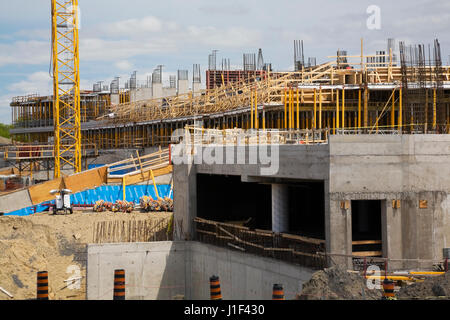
336 283
56 244
431 288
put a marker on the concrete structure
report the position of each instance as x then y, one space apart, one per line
163 270
413 169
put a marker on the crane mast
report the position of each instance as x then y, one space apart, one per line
66 86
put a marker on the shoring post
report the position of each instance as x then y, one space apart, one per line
337 109
123 188
343 107
320 107
298 110
400 110
285 108
315 110
393 110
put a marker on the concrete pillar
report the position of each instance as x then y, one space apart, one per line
115 98
196 87
183 86
184 200
157 90
280 208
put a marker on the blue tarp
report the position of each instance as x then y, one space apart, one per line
106 193
119 172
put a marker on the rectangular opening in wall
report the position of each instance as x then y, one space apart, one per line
307 209
224 198
366 228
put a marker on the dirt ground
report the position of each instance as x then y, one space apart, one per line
56 244
336 283
432 288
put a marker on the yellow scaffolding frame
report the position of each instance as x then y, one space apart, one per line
66 85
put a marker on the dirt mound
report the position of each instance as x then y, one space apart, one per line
56 244
431 288
336 283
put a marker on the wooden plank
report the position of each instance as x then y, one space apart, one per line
41 192
363 242
82 181
367 253
304 239
137 177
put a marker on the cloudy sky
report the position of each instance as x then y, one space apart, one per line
119 37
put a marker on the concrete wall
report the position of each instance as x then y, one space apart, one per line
140 94
183 86
408 168
15 201
243 276
153 271
163 270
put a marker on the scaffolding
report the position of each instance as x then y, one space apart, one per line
66 86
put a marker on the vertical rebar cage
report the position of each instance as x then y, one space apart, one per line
66 85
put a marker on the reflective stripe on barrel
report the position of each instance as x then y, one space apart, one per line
388 288
216 294
278 292
119 284
42 285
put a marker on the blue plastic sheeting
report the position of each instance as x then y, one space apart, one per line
117 173
113 193
106 193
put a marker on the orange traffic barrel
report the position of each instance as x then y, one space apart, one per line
216 294
42 285
388 289
278 292
119 284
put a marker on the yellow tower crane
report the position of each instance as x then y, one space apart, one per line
66 85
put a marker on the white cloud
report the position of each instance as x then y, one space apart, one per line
38 82
133 26
25 52
123 65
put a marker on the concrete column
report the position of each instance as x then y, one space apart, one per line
339 232
115 98
185 200
157 90
196 87
280 208
183 86
391 231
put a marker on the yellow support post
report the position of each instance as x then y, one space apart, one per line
298 110
320 107
426 111
343 108
251 106
154 184
256 110
393 110
315 110
123 189
366 107
291 108
285 108
400 107
434 109
337 109
359 108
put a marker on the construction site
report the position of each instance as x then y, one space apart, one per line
242 184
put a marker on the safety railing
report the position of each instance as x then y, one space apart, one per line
138 164
287 247
38 152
